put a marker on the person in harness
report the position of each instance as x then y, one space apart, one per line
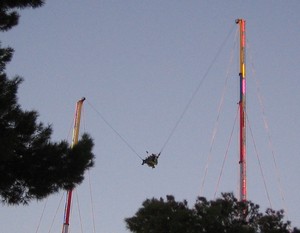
151 160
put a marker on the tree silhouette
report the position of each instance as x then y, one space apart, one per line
31 165
223 215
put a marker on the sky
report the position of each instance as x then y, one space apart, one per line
161 75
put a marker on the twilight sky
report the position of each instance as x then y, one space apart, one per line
139 64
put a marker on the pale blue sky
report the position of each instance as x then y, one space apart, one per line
138 63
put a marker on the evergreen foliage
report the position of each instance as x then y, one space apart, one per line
223 215
9 16
31 165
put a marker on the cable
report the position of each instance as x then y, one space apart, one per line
259 163
92 202
267 128
116 132
40 220
196 90
79 212
57 209
226 154
216 125
184 110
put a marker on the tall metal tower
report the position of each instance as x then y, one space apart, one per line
77 117
242 109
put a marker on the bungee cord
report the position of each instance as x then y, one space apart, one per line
113 129
151 160
185 109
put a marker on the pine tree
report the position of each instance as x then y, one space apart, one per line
9 16
223 215
31 165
